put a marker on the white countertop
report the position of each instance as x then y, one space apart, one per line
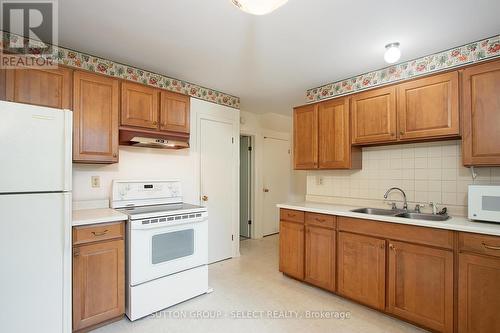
95 211
98 215
458 223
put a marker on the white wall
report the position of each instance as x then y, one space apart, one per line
425 171
138 163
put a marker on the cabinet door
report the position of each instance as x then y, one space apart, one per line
481 114
428 107
292 249
374 116
174 112
478 294
305 137
98 283
361 269
421 285
95 118
45 87
334 136
139 106
320 257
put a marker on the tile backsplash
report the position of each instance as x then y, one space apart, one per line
425 171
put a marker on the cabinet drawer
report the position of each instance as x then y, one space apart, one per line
322 220
98 232
292 215
412 234
482 244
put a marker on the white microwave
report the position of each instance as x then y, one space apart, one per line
484 203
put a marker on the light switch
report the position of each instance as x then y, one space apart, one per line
95 181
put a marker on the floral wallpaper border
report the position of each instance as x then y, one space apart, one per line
79 60
482 50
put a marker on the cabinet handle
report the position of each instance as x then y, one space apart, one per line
155 123
402 132
115 155
76 252
382 246
392 247
99 233
490 247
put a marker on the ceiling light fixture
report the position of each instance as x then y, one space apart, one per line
258 7
392 53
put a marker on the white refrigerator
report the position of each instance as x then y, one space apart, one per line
35 218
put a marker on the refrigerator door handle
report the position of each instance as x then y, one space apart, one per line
68 149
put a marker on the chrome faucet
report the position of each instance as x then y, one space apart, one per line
405 204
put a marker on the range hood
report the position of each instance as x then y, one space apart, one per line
154 139
141 141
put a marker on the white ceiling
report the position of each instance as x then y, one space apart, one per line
269 61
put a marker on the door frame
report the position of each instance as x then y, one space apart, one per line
252 183
257 135
202 110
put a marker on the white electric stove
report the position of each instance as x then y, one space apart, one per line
167 245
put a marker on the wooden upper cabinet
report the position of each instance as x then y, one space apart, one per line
291 249
481 114
44 87
361 269
140 105
305 137
421 285
478 294
174 112
95 118
98 283
428 107
373 116
335 151
320 257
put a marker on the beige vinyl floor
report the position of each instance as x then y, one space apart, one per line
250 295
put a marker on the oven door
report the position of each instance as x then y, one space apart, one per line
159 250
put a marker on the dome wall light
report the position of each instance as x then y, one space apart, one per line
392 53
258 7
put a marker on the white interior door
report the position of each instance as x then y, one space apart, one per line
217 185
276 176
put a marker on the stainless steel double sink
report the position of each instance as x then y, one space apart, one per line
402 213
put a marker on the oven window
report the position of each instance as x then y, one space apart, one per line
172 245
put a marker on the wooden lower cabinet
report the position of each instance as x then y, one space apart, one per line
361 269
291 249
320 257
98 283
478 294
420 285
441 280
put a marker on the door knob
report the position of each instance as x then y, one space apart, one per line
204 198
266 190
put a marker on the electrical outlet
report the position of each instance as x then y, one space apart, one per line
95 181
319 180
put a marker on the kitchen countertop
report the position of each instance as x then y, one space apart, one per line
457 223
95 211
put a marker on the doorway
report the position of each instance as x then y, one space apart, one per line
276 181
245 186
